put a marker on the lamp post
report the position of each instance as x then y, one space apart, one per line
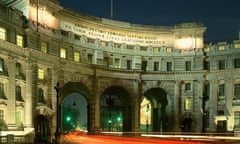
57 133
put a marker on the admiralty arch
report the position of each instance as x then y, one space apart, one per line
163 78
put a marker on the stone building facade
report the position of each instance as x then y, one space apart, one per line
190 86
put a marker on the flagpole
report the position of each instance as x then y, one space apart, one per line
111 9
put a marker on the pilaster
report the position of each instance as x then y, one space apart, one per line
177 105
11 113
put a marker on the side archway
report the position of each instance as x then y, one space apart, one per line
158 102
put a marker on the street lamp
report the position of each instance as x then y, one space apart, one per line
57 133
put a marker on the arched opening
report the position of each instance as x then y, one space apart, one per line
186 125
74 107
115 110
74 113
42 131
154 104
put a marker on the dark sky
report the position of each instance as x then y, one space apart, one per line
221 17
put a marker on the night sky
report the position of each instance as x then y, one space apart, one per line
221 17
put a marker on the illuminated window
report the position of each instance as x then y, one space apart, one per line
77 56
18 118
1 114
221 92
237 91
237 119
169 66
187 103
237 45
187 86
19 41
44 47
40 74
2 33
221 64
221 47
169 49
237 63
188 65
156 66
1 65
129 64
63 53
207 49
155 50
116 63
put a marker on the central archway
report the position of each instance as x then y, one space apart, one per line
157 98
115 110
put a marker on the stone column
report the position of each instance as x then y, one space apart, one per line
213 105
135 114
29 95
177 105
11 113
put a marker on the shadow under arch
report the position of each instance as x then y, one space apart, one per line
74 87
42 130
158 100
115 113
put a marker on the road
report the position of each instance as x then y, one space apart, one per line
100 139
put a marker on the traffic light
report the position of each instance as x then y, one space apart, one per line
68 118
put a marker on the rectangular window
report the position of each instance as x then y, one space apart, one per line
220 112
221 47
206 65
1 65
187 103
44 47
156 66
18 118
237 91
237 119
206 92
89 56
77 56
221 92
116 63
63 53
169 49
2 33
155 50
221 64
188 65
106 61
169 66
19 40
18 93
237 63
187 86
40 74
1 114
144 65
237 45
2 90
129 64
